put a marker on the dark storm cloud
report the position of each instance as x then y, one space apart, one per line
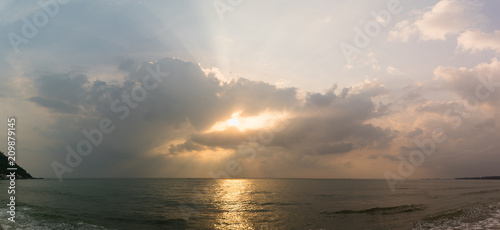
55 105
335 148
228 139
318 99
187 146
60 92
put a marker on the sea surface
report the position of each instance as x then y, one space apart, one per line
252 204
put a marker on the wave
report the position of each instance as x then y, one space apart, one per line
481 192
478 217
29 218
279 204
380 210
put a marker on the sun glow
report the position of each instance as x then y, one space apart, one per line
262 120
234 120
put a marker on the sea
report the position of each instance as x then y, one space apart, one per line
252 204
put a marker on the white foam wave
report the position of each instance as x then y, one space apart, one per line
25 221
478 218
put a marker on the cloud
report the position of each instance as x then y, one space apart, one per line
170 131
185 102
416 132
474 41
481 81
339 123
228 139
470 142
60 92
370 88
321 100
363 60
447 17
174 120
55 105
402 31
327 123
436 107
393 70
467 121
334 148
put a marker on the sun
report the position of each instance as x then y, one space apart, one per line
265 119
234 120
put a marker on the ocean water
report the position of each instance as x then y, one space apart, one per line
252 204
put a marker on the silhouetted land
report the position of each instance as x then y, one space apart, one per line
20 172
479 178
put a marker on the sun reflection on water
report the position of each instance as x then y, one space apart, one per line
234 197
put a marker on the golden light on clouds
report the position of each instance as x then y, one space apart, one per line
263 120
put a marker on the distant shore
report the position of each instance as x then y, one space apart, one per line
479 178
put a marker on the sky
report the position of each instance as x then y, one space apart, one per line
294 89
